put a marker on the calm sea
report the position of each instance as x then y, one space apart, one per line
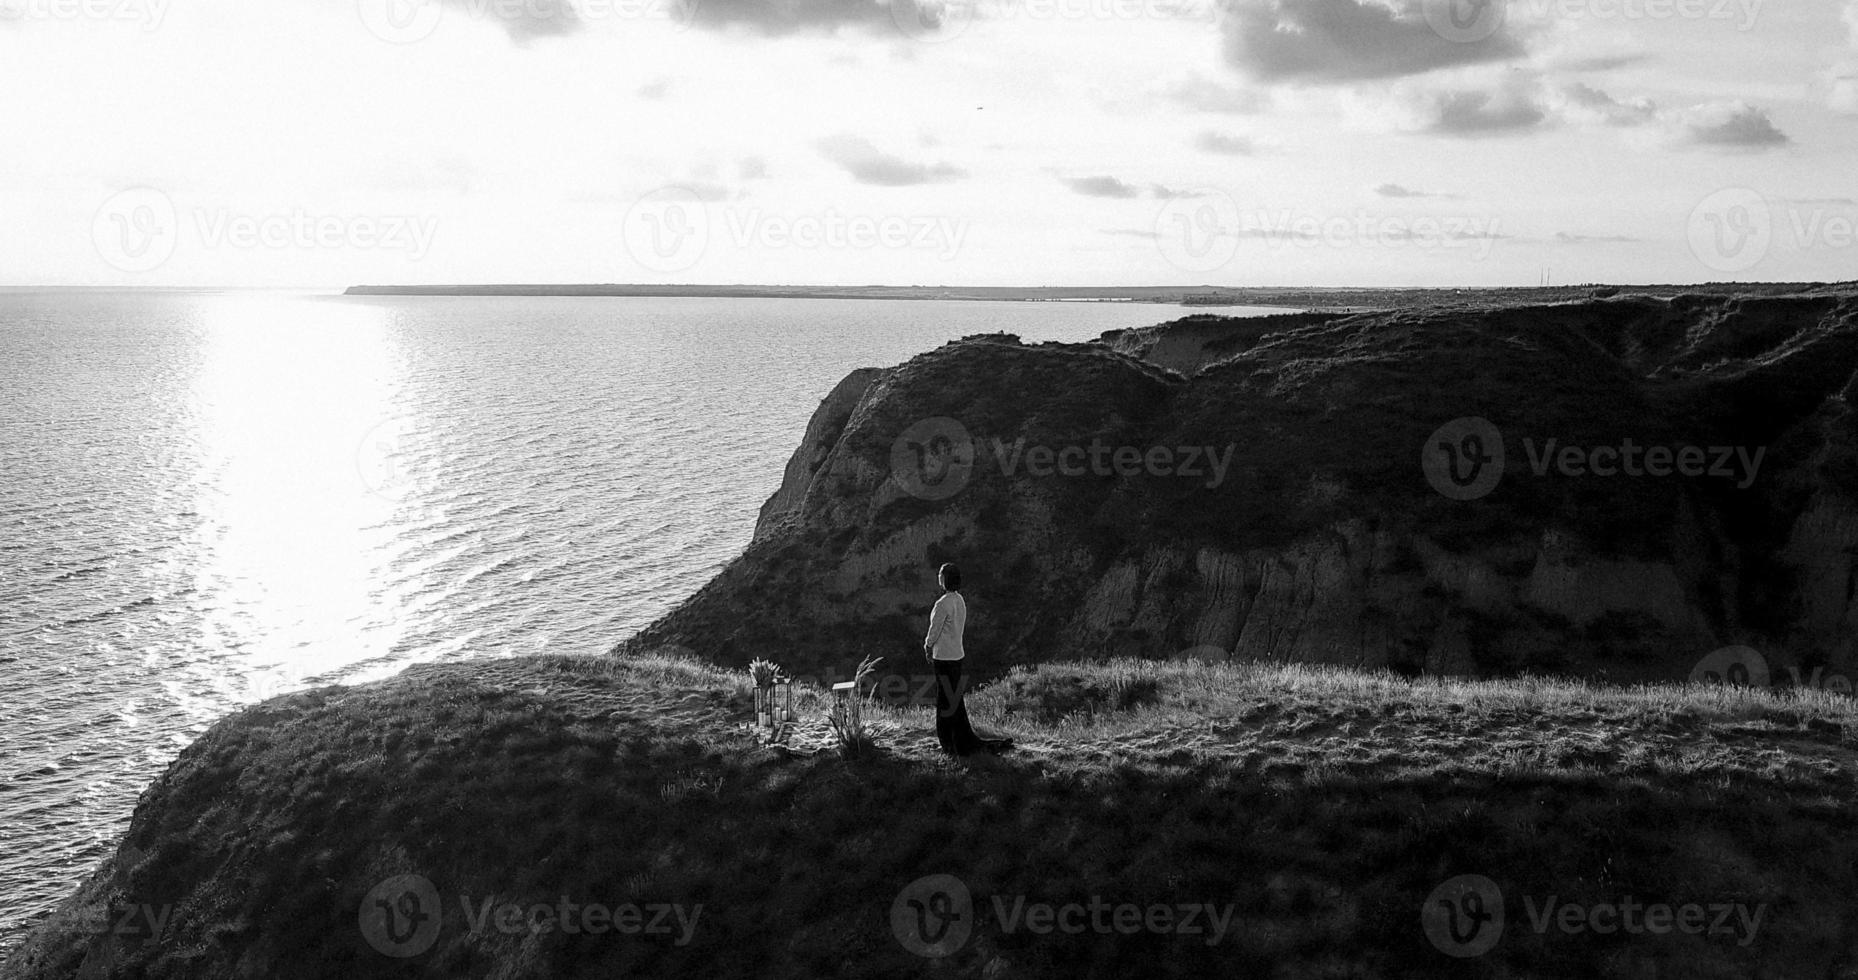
208 499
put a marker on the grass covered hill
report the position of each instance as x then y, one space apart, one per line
1312 815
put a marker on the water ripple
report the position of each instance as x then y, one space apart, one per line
209 500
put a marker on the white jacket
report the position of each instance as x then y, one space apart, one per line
946 621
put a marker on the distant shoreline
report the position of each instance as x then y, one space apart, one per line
1346 299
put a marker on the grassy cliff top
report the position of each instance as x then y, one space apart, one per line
1317 808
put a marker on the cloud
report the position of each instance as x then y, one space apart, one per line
1166 193
529 20
655 90
708 191
1397 191
1339 41
776 18
1602 62
1477 112
751 168
1101 187
1220 143
1732 125
1584 103
869 165
1522 100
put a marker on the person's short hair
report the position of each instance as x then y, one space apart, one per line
951 575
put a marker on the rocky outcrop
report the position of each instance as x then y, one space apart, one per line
1676 475
821 434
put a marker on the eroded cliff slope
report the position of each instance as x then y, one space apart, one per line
1609 488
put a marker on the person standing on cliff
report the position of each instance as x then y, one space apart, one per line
942 648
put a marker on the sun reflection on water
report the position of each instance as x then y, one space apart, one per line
293 541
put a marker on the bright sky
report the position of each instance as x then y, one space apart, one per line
1038 142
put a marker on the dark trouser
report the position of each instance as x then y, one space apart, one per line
951 711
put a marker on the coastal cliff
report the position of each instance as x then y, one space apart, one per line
1677 475
598 816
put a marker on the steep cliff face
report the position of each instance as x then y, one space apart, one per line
822 433
1647 480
